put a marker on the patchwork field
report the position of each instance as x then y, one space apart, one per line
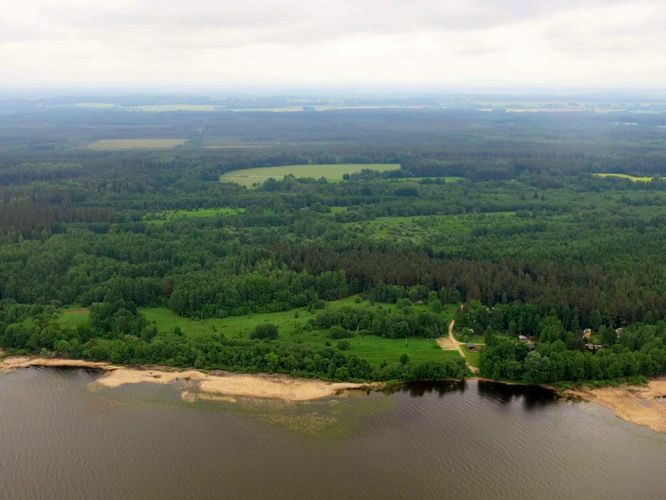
331 172
117 144
293 329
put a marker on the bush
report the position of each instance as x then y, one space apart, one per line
343 345
338 332
267 331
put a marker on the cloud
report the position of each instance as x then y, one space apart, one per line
146 42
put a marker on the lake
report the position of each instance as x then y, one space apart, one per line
58 439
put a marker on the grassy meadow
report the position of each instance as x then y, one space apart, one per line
331 172
293 329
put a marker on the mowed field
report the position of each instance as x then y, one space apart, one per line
116 144
293 329
332 172
627 176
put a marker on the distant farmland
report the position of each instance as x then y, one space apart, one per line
114 144
627 176
332 172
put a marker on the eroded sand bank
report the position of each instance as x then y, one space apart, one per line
640 405
197 385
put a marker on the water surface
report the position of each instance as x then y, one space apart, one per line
474 440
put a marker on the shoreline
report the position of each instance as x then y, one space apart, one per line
640 405
197 385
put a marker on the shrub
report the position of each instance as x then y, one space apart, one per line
343 345
338 332
266 331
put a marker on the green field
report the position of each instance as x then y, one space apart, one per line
118 144
627 176
331 172
170 215
472 357
293 329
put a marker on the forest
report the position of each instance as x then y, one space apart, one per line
558 273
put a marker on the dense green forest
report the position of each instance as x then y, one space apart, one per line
500 212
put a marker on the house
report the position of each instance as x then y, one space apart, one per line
587 333
522 338
593 347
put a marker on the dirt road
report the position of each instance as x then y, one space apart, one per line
450 344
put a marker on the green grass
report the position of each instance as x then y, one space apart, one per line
73 317
169 215
292 330
627 176
472 357
331 172
119 144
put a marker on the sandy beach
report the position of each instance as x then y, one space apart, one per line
197 385
642 405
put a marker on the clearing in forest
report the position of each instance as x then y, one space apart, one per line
331 172
196 213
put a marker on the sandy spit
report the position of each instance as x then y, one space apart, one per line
196 385
642 405
200 385
14 362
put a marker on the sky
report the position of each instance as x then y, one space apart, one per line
457 44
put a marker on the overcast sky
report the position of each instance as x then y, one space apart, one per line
449 43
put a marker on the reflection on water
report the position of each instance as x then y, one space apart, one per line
531 396
419 389
451 440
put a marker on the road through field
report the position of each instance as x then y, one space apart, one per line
450 343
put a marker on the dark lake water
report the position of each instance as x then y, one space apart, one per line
58 439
